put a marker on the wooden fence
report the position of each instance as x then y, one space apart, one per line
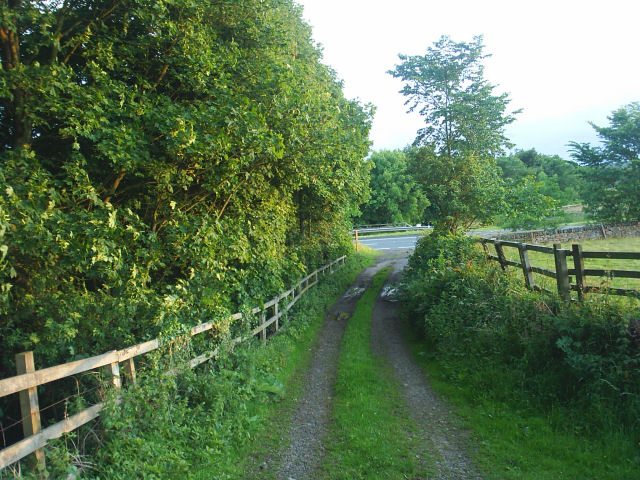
563 274
28 379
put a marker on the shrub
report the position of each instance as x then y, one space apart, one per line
583 356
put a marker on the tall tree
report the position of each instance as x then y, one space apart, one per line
464 129
612 174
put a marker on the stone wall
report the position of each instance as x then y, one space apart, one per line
574 234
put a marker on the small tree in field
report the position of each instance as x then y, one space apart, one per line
455 152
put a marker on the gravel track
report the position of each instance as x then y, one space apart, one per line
439 436
311 416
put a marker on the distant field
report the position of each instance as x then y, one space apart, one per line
609 245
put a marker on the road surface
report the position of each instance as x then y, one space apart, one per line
391 243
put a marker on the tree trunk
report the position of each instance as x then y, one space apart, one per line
10 40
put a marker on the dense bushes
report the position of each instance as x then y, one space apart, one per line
163 163
533 350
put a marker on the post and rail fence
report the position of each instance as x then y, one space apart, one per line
27 380
563 273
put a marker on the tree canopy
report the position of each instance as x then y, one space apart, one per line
464 130
612 170
163 162
395 195
559 179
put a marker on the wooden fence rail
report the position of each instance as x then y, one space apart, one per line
562 273
28 379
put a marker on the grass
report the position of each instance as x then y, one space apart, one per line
515 442
369 437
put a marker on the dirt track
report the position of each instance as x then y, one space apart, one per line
438 436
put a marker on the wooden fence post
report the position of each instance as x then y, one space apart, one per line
357 249
500 251
113 374
29 407
526 266
578 263
275 313
562 272
130 371
263 332
484 246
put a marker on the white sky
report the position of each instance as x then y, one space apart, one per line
564 62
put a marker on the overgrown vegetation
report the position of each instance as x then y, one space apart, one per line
163 163
575 366
203 423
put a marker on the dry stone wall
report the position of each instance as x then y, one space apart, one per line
569 234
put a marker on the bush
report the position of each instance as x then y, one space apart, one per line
583 356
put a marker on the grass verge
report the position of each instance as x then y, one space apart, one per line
369 435
518 442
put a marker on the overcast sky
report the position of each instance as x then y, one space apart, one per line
564 62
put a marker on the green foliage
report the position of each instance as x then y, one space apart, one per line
395 195
162 164
582 356
462 190
526 206
612 173
515 442
464 130
558 179
536 186
201 423
462 114
432 266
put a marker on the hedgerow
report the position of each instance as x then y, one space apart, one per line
526 348
162 164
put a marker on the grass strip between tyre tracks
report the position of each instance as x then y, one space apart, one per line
371 433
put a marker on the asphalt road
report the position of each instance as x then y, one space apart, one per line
391 243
